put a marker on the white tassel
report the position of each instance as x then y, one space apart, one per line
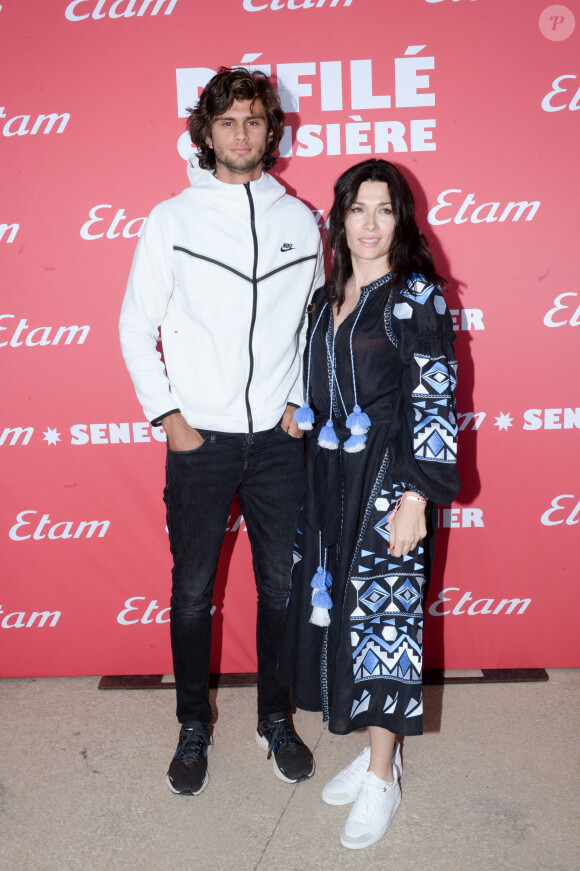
320 617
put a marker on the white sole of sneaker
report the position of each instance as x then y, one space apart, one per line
337 801
263 743
372 839
177 792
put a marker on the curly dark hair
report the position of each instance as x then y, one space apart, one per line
227 86
409 252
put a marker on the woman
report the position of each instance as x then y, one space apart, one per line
381 457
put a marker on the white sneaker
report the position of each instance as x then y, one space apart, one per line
345 786
372 811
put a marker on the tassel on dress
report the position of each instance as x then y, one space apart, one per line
304 416
358 421
355 443
321 600
327 437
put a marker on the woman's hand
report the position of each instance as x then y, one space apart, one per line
408 527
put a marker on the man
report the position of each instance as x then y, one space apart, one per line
223 273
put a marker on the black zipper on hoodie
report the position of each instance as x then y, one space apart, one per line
254 306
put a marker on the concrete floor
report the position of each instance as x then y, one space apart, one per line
492 785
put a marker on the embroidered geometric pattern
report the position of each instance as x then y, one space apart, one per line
439 304
376 657
390 704
419 289
435 432
403 311
435 378
414 705
387 609
386 502
394 593
360 705
435 427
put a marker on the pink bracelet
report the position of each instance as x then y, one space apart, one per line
407 496
412 497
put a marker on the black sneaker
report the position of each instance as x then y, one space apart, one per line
187 773
293 760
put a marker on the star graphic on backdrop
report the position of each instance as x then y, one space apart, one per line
51 436
504 421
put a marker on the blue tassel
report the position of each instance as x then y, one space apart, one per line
328 438
358 421
321 579
321 599
304 416
355 444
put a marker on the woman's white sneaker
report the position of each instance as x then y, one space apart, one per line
345 786
372 811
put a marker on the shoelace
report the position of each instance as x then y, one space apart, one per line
193 746
281 736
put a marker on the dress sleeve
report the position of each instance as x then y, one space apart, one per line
418 322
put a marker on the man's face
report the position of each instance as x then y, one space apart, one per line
239 139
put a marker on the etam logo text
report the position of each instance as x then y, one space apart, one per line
457 604
138 613
31 525
563 95
16 332
8 232
276 5
453 205
80 10
566 311
564 509
27 125
34 620
105 223
138 610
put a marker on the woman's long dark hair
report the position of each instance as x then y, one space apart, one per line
409 252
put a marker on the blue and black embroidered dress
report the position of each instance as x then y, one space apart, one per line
392 356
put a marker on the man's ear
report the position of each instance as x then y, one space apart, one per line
208 142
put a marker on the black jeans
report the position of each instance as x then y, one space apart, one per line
266 469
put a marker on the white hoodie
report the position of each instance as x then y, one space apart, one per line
223 273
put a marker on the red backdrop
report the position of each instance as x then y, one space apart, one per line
477 102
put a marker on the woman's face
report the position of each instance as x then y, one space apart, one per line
369 225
